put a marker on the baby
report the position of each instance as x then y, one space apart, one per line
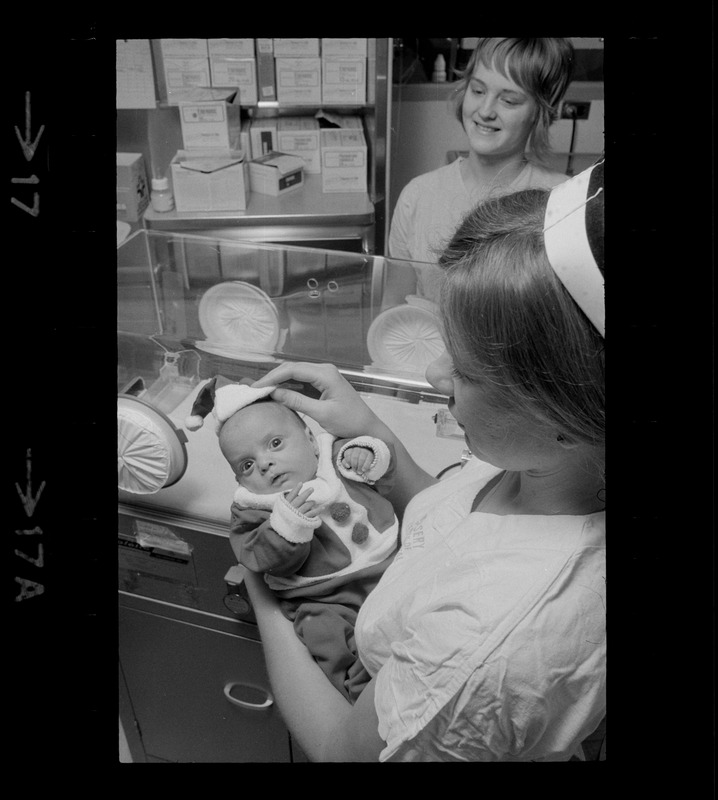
309 513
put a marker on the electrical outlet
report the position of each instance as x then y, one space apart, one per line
573 109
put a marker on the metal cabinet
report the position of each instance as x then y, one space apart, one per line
193 684
198 694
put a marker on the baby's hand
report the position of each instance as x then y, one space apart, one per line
357 459
301 502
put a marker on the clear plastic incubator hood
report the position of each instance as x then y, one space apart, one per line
191 307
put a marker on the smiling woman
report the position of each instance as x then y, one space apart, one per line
506 101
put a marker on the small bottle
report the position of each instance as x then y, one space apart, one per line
439 75
161 195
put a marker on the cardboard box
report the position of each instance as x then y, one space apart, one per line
344 79
299 80
243 142
276 173
183 48
344 158
299 136
182 73
230 48
208 118
239 72
210 180
344 47
263 136
296 47
133 192
266 77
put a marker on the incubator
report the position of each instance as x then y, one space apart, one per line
191 307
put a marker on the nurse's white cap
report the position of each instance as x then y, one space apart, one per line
573 234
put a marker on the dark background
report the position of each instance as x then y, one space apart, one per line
59 291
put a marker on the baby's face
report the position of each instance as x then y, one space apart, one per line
268 448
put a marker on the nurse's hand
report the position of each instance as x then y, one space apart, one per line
339 409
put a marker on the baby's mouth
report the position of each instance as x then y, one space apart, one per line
277 479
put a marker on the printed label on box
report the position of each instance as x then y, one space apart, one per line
336 158
299 77
344 47
296 47
343 71
210 112
233 48
233 71
186 72
184 48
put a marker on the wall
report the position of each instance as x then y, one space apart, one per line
424 129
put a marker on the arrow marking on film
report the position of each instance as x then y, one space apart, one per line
29 502
27 147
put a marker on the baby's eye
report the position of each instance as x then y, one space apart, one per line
275 442
246 466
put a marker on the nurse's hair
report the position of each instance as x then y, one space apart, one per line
542 67
511 326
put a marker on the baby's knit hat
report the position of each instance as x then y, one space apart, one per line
222 398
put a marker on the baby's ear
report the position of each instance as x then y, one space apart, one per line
313 440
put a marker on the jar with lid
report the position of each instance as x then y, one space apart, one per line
161 195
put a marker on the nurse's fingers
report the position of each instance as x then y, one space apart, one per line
298 402
321 376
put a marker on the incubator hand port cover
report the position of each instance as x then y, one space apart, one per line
237 316
151 451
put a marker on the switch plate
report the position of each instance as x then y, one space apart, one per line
575 109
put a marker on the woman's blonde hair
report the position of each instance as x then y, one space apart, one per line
542 67
510 324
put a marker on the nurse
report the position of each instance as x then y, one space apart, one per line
485 638
506 101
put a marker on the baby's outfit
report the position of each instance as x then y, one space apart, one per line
322 568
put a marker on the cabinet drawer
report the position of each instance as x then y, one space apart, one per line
177 675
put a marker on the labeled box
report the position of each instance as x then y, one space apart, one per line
263 136
344 79
210 181
184 48
296 47
299 136
133 194
344 157
209 118
182 73
276 173
266 78
239 72
299 80
230 48
344 47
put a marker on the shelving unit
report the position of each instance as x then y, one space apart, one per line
348 221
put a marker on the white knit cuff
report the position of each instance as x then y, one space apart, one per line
377 468
291 524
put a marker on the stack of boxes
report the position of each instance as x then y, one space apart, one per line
344 72
185 63
291 72
232 63
344 157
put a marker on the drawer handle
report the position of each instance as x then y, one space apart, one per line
244 703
